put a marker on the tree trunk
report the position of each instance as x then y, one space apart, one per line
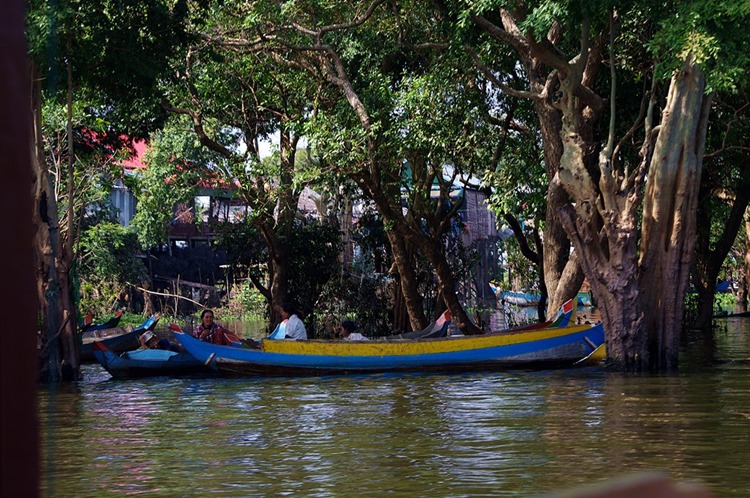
709 260
278 233
59 353
742 302
641 300
669 216
407 281
448 287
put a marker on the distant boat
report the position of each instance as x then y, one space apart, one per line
526 299
742 314
537 348
520 298
118 339
90 326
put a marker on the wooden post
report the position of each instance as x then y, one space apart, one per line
19 453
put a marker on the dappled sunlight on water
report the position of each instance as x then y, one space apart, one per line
520 433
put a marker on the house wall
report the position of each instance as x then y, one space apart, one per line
124 201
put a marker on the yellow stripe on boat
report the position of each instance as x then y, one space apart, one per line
411 347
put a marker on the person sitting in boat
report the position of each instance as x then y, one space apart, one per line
295 329
149 340
348 332
210 331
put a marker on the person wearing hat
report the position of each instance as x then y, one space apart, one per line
149 340
348 333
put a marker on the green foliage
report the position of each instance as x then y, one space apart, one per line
313 260
118 50
170 178
363 298
313 248
107 249
247 302
521 274
108 265
714 34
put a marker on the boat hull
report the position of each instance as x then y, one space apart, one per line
526 349
147 363
117 340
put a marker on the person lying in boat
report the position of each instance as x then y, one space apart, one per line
348 332
149 340
210 331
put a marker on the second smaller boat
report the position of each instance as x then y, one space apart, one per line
147 363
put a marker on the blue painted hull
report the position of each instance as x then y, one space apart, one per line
148 363
543 348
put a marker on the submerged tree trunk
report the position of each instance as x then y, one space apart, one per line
745 286
641 292
669 217
59 342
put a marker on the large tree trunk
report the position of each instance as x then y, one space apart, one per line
669 213
745 285
277 232
562 275
641 302
59 342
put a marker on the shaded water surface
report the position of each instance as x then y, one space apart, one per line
481 434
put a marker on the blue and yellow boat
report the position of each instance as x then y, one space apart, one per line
538 348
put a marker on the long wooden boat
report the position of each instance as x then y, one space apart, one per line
147 363
549 347
118 340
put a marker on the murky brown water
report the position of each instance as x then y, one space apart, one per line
483 434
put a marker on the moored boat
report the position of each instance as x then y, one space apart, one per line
548 347
147 362
90 326
118 340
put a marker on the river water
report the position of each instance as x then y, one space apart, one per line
519 433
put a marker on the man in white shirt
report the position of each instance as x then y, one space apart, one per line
295 329
348 333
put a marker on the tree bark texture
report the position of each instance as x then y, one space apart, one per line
408 289
669 215
641 290
562 275
59 354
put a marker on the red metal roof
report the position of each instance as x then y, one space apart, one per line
111 144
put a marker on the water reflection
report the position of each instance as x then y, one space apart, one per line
500 434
